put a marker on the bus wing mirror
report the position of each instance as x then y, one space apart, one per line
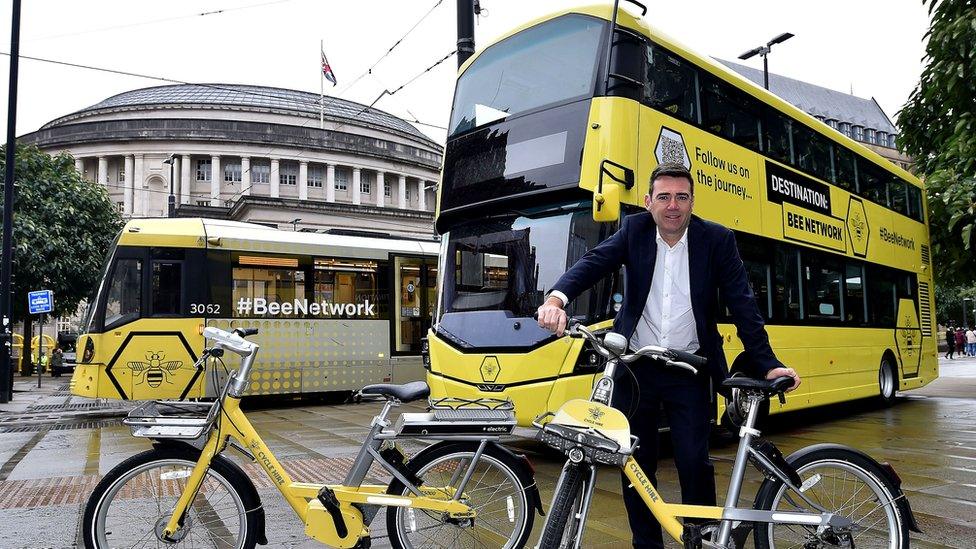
606 204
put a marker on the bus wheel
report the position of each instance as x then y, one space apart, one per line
887 381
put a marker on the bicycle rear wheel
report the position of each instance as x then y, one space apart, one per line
843 482
130 506
498 491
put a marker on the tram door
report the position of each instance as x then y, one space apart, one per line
416 287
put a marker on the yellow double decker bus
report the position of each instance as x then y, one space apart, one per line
335 311
552 138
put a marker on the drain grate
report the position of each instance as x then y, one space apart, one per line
81 406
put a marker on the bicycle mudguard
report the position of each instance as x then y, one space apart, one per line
242 480
530 472
889 472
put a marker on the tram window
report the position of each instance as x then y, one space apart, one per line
872 182
786 297
915 203
823 276
281 286
844 168
854 304
729 113
671 85
812 152
167 288
776 134
124 301
898 195
339 283
881 295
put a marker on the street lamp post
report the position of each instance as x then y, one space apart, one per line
171 204
764 51
965 313
294 223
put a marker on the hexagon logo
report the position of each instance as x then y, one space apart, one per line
490 368
857 227
908 337
671 148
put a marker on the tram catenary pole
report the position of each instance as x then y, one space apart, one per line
465 29
6 260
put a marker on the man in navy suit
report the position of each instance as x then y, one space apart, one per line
674 262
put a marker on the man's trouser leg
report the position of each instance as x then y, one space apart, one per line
689 409
643 411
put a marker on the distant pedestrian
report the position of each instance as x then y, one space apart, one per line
950 341
57 361
961 341
970 342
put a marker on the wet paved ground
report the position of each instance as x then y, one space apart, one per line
53 449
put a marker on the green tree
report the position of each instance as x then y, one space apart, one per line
938 129
63 226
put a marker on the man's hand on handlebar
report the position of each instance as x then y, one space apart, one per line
552 316
780 372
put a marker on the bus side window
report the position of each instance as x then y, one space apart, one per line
812 152
882 290
915 204
872 182
855 306
124 301
786 296
167 288
898 195
730 113
671 85
776 134
823 276
844 173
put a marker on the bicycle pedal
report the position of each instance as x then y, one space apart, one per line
329 500
692 537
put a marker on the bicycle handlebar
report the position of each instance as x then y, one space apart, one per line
671 357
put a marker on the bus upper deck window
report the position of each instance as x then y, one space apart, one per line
124 301
671 85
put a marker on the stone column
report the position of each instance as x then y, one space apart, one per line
139 206
129 189
303 180
275 178
402 192
102 171
178 180
216 178
187 183
246 175
355 186
380 189
80 166
422 197
330 183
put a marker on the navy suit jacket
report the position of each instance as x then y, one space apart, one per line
713 263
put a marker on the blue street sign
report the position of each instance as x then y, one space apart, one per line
41 301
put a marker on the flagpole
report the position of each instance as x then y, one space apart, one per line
321 89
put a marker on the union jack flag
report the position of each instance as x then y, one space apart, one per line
327 70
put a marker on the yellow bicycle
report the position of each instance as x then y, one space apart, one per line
465 490
824 495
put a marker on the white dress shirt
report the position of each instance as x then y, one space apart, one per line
667 320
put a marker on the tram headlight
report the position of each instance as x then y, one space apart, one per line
425 352
89 353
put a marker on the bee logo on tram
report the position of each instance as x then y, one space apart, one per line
155 369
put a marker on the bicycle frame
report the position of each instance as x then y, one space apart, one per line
231 423
668 514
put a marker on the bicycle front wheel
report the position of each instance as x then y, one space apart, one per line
562 524
133 502
497 490
843 482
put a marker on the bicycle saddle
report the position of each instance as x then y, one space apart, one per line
766 387
407 392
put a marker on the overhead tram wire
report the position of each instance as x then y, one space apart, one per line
389 51
309 103
154 21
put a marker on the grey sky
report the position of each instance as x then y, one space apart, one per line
873 45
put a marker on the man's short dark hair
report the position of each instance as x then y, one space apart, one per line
672 169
